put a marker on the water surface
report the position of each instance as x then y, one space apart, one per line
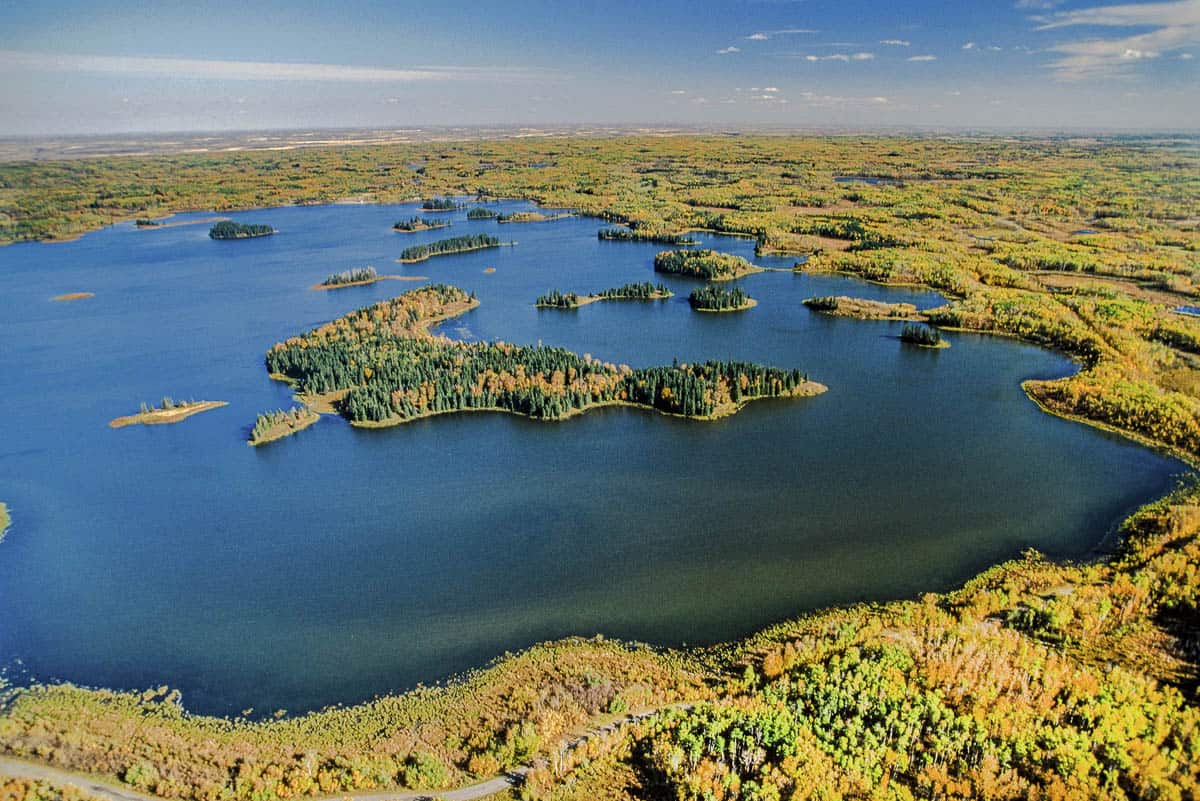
339 563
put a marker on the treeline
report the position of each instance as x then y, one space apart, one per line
480 213
442 204
707 264
558 300
633 235
455 244
227 229
420 224
355 276
637 291
715 298
391 371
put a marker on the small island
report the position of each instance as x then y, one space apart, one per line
73 296
414 224
168 411
278 424
719 299
569 300
530 217
707 264
922 336
442 204
361 276
227 229
380 366
5 520
146 222
480 213
863 309
637 235
444 247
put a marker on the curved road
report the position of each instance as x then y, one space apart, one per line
105 791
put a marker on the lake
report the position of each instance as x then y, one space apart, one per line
340 563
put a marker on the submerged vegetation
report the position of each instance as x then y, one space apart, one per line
227 229
358 275
381 367
707 264
720 299
275 425
414 224
442 247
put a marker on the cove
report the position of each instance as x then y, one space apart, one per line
339 563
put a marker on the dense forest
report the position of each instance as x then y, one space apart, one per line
413 224
354 276
441 204
636 291
387 369
227 229
555 299
921 335
716 298
481 213
271 426
707 264
455 244
637 235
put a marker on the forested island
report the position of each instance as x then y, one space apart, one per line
169 410
720 299
281 423
414 224
530 216
480 213
863 309
227 229
379 366
923 336
634 291
442 247
707 264
638 235
441 204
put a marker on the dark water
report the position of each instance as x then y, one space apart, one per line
339 563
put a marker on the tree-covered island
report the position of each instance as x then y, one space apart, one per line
281 423
169 410
443 247
441 204
414 224
640 235
379 366
720 299
480 213
707 264
645 290
228 229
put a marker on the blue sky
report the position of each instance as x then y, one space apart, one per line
89 67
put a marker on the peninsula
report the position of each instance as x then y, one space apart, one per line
278 424
863 309
530 217
570 300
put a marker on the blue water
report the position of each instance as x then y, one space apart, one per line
338 564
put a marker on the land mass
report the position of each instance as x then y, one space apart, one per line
709 265
73 296
279 424
169 412
232 230
446 247
570 300
863 309
530 217
379 366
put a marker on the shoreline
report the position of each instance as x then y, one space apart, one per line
70 296
281 430
749 304
587 300
428 256
166 416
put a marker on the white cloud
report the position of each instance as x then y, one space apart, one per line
994 49
969 46
843 57
922 58
1173 25
1039 5
954 93
245 70
679 91
758 37
815 100
863 56
895 42
727 50
1186 56
771 89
